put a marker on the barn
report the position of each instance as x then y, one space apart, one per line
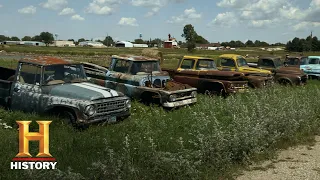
171 43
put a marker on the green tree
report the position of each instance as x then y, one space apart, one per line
315 44
14 38
139 41
36 38
249 43
47 37
4 38
190 35
157 41
71 40
201 40
108 41
27 38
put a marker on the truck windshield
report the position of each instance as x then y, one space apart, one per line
241 62
313 61
59 74
278 63
144 67
204 64
292 61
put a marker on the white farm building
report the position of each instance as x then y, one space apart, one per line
91 44
123 44
64 43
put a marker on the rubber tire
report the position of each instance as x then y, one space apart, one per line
72 119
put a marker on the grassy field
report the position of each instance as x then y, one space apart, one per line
209 140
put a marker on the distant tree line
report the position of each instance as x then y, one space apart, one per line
303 45
249 43
44 37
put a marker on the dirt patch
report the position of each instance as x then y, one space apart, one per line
300 162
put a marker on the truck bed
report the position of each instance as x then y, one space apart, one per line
94 70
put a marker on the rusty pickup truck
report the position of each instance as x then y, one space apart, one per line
257 78
202 73
60 87
282 74
141 78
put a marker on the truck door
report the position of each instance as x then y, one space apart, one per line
115 78
186 73
26 90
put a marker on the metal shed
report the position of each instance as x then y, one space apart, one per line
123 44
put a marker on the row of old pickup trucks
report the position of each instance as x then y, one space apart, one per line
85 93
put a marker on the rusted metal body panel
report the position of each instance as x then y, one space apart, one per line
282 74
257 78
88 102
208 79
308 64
148 85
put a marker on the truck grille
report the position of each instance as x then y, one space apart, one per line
182 95
109 107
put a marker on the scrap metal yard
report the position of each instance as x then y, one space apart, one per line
215 137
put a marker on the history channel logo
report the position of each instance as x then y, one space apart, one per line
23 159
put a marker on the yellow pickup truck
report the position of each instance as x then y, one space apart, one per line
234 62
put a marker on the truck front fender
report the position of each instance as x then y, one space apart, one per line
211 85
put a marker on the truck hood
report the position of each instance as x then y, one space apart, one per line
310 67
223 74
82 91
254 70
289 70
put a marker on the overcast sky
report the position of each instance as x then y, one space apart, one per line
216 20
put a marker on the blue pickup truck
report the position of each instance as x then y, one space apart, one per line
309 64
141 78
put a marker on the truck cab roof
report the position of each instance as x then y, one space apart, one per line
45 60
135 58
196 57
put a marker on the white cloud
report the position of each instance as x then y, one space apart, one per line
186 17
224 19
77 17
124 21
28 10
54 4
260 23
154 5
102 7
261 13
305 25
67 11
233 3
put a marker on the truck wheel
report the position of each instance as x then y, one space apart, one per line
71 119
285 82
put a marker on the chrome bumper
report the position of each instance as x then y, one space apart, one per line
179 103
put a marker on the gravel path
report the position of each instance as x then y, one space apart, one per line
300 162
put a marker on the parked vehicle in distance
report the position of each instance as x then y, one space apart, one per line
309 64
202 73
141 78
257 78
59 87
282 74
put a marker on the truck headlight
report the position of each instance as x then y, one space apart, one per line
172 98
194 94
128 103
90 110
